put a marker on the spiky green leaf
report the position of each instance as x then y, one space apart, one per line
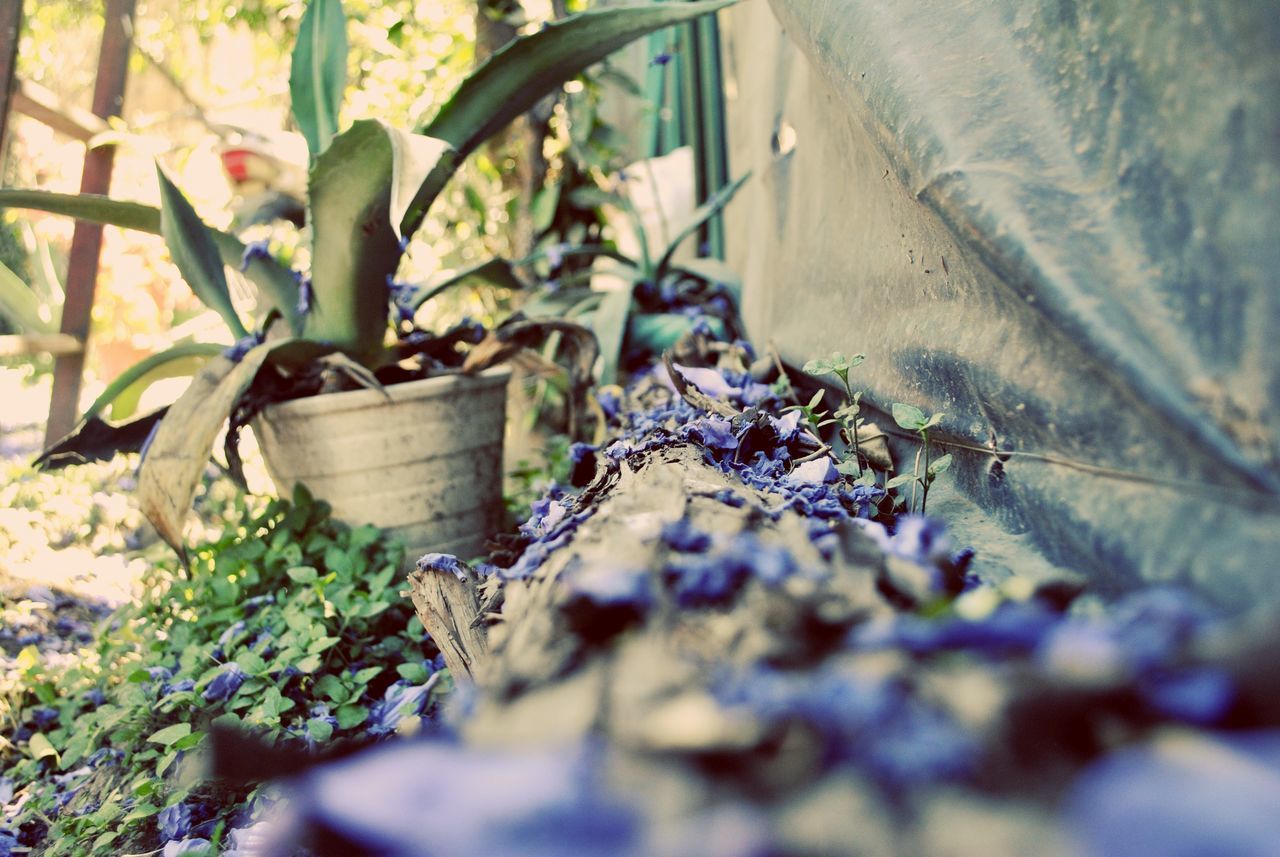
21 306
183 440
657 332
712 271
123 393
195 254
609 324
496 272
700 215
318 74
279 285
86 206
516 77
354 246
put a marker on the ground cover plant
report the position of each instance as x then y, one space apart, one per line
290 624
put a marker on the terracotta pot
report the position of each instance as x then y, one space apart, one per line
426 465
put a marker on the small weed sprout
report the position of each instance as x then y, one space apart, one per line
847 415
913 419
815 417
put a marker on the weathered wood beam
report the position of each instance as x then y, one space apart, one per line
545 655
43 105
57 344
10 34
86 241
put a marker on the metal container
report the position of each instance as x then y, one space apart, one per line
423 460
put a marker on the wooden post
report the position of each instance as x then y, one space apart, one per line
86 241
10 32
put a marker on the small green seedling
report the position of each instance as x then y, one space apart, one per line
913 419
847 415
816 418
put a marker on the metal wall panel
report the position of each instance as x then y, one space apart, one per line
1103 183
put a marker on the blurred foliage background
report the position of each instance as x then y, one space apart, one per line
203 70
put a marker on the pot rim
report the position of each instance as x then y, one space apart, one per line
405 391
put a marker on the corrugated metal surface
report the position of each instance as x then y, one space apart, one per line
1103 183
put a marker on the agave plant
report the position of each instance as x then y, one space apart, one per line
369 188
655 299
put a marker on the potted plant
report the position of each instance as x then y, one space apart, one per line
369 188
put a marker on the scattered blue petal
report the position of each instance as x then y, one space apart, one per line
174 821
814 472
225 683
175 848
1200 696
443 562
714 432
242 347
401 700
683 536
1181 797
306 296
253 250
610 403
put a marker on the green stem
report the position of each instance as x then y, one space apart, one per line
916 482
853 427
924 485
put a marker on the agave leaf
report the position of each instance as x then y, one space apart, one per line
86 206
657 332
564 303
20 305
318 74
606 251
498 272
609 324
123 394
45 281
701 215
184 439
712 271
195 254
96 440
414 157
355 250
516 77
279 284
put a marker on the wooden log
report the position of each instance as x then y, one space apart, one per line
552 650
449 609
43 105
840 697
86 240
24 344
